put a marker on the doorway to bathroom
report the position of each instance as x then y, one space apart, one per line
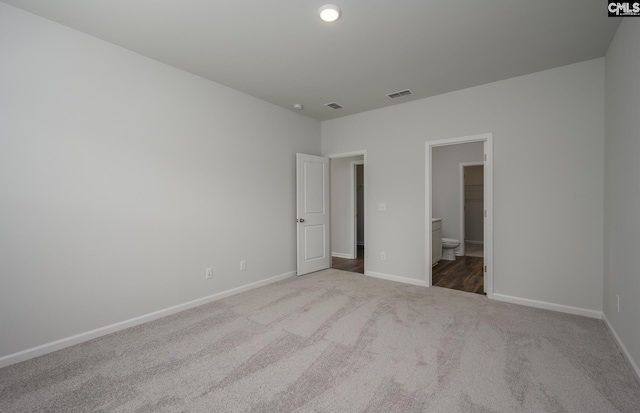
448 199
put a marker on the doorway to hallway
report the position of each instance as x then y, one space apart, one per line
351 265
348 212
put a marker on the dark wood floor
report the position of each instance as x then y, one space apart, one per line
464 274
351 265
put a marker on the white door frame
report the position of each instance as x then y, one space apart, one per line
487 138
462 204
354 225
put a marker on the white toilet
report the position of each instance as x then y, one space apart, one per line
448 247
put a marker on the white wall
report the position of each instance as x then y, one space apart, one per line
622 187
446 183
342 224
122 179
548 179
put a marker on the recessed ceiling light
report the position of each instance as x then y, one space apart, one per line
329 12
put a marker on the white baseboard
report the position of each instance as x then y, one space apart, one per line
90 335
626 353
548 306
361 243
474 242
397 278
341 255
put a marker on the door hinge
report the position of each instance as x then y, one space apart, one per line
485 157
485 268
485 213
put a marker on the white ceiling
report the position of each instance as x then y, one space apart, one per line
280 51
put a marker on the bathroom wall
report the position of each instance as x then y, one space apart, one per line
446 183
474 203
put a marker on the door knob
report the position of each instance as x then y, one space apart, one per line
300 220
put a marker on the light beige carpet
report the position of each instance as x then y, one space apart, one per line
337 342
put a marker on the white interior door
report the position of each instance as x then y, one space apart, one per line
312 180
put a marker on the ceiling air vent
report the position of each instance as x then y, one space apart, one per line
333 105
400 94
